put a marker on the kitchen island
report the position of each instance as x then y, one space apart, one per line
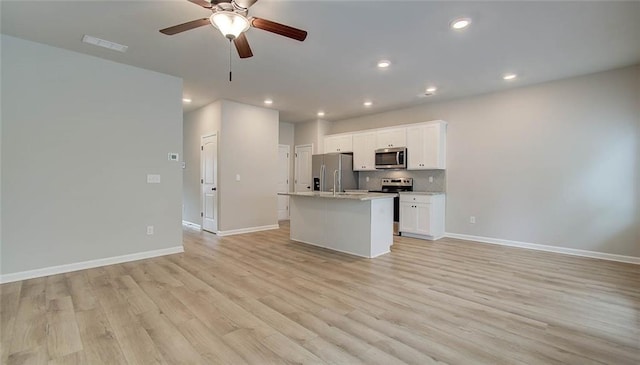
358 224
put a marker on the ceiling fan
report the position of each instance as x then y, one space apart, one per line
230 17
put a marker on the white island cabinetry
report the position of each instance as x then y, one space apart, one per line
360 225
422 215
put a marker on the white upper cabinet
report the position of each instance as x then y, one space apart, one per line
338 143
394 137
364 146
425 143
426 146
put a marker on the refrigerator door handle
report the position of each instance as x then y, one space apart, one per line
322 167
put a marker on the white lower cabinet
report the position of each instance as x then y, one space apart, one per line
422 216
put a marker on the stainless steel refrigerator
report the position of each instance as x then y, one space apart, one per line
323 167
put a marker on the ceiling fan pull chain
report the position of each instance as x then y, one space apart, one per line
229 59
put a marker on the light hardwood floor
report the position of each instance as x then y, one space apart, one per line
260 298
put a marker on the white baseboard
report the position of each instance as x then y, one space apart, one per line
61 269
247 230
191 224
556 249
422 237
341 251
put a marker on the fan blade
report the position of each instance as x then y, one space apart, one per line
186 26
277 28
203 3
242 45
245 3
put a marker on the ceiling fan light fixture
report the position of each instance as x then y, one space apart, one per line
229 23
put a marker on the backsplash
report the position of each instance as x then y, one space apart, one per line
420 179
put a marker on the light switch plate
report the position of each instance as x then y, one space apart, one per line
237 177
153 179
173 156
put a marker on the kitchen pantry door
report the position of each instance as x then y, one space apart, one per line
303 168
283 181
209 182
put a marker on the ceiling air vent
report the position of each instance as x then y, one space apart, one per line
103 43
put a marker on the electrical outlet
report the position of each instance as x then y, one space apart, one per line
366 179
430 179
472 220
153 179
149 230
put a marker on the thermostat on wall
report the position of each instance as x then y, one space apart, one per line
173 156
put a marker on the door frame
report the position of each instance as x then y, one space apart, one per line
202 200
295 165
288 173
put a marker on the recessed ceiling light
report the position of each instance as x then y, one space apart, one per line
460 23
104 43
432 89
367 103
268 101
321 114
509 76
186 100
384 64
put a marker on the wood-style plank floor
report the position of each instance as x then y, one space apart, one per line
260 298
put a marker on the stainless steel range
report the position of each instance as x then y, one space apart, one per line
394 185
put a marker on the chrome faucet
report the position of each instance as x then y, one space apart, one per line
335 178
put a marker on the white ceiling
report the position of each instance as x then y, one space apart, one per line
335 68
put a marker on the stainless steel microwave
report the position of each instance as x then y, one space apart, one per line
391 158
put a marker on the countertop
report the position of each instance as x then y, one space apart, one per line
329 195
421 193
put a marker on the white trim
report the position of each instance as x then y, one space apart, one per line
556 249
341 251
290 179
421 236
247 230
61 269
192 225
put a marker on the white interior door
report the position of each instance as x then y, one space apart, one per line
283 181
209 182
302 169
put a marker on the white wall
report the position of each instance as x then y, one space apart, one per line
247 146
79 136
555 164
312 133
202 122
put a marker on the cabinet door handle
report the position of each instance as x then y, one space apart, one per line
214 189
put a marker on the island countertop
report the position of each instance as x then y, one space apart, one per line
421 193
350 196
